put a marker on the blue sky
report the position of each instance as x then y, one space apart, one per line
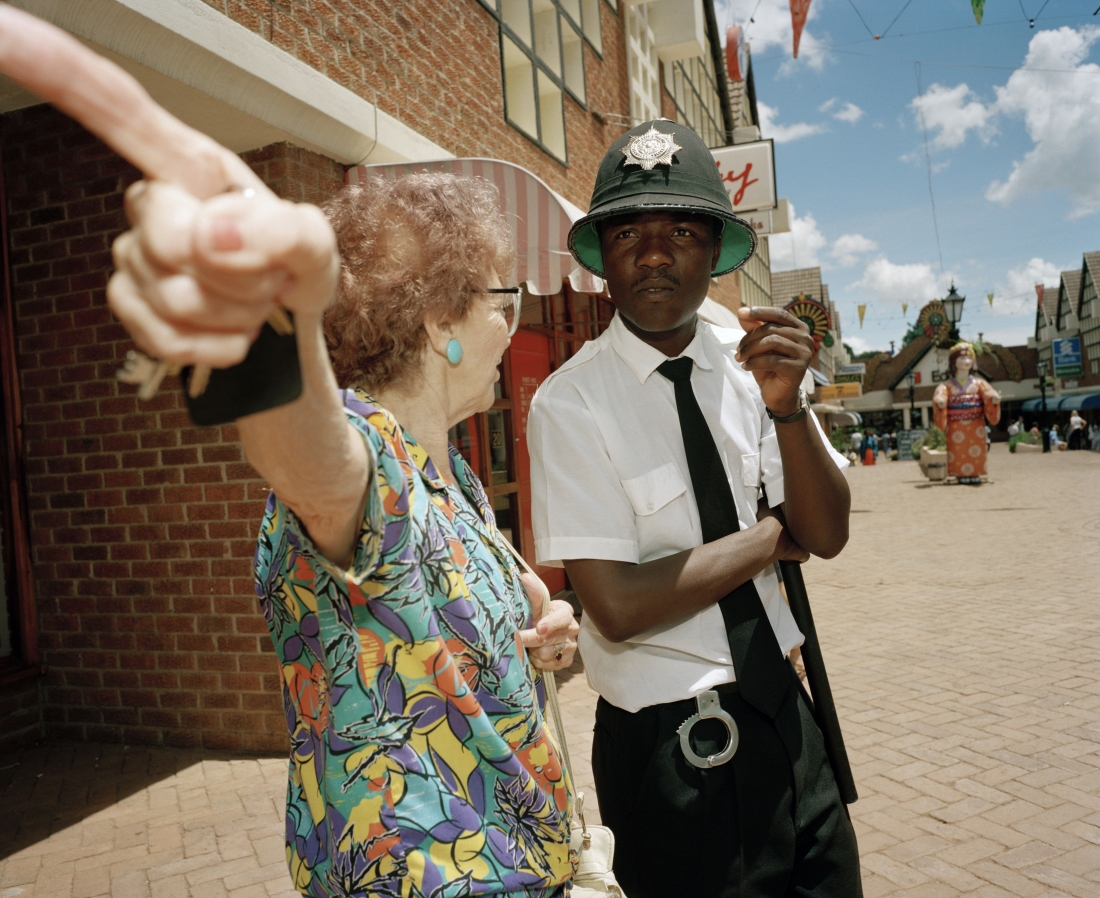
1012 115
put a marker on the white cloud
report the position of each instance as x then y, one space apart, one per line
849 113
858 344
1062 115
783 133
1015 294
893 284
800 248
1057 94
952 112
771 27
847 248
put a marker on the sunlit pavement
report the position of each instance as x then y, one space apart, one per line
961 631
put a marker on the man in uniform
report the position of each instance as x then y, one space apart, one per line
673 464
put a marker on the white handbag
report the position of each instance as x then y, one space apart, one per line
591 848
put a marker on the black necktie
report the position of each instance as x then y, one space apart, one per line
762 675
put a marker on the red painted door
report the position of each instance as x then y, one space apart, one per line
530 366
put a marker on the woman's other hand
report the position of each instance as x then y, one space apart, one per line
552 642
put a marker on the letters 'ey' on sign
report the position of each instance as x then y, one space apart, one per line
748 173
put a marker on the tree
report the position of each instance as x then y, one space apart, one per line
861 356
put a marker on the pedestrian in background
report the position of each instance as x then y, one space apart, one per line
857 442
1076 430
1056 441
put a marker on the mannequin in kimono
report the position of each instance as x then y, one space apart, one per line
961 406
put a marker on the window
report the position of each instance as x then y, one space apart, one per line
643 66
694 90
542 55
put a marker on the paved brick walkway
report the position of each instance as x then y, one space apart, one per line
961 629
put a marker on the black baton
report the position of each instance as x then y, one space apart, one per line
824 709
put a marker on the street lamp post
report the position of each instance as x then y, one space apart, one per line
912 379
953 308
1043 429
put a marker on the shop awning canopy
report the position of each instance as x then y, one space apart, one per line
821 379
540 218
1080 401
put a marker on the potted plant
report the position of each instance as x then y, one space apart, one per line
1024 442
931 453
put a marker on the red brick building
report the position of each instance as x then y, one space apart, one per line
128 609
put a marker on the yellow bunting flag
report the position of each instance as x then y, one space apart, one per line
989 296
904 308
862 311
978 6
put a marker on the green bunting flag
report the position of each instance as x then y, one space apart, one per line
862 311
989 296
978 6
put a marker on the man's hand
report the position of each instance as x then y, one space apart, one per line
777 349
552 642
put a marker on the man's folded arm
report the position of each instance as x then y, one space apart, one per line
624 600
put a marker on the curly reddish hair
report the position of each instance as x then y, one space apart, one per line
417 245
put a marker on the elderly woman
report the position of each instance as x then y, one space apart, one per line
419 755
418 751
420 762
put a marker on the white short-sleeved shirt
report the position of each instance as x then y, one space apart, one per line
610 480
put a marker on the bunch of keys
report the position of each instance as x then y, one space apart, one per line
269 376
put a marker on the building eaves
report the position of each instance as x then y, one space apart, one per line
1090 265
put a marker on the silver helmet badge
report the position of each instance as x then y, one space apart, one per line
650 149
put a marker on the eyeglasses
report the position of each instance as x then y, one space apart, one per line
509 310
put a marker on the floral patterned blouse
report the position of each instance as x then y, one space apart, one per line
420 764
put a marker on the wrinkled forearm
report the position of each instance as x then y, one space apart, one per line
310 454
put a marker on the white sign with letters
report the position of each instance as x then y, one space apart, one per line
748 172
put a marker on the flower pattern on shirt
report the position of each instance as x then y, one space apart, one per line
420 763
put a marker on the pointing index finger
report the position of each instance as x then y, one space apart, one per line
112 105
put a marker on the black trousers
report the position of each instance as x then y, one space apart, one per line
768 824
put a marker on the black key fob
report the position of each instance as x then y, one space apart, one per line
268 377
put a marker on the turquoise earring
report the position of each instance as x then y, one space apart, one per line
454 352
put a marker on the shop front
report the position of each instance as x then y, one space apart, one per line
563 307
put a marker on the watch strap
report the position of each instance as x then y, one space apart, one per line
803 409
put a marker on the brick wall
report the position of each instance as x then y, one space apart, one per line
20 713
142 526
435 65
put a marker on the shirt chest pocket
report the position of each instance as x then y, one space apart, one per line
662 511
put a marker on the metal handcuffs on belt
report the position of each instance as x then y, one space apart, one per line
709 707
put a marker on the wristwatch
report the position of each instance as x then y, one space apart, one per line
803 408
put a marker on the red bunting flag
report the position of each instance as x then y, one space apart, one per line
800 9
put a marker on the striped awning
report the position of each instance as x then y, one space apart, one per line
540 218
